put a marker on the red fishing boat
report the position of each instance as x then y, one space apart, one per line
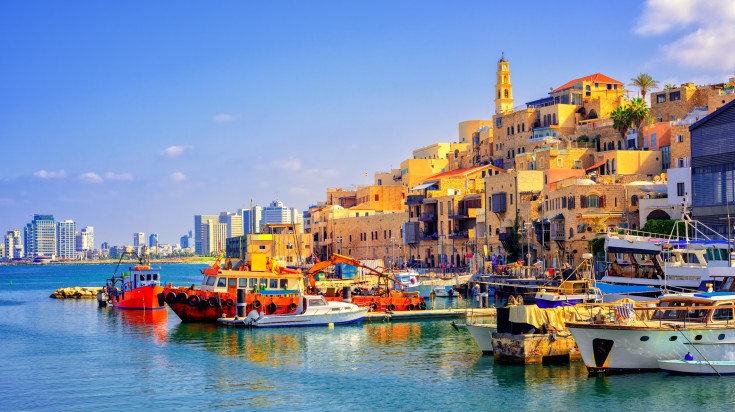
138 288
268 287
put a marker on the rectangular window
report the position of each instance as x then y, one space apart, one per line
679 139
609 87
653 141
661 98
673 96
680 189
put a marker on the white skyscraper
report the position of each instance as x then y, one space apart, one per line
66 242
41 236
215 236
233 222
13 245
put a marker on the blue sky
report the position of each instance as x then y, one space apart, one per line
134 116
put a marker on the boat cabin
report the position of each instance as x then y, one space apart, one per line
704 308
257 275
144 276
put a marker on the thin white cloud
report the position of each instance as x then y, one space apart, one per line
6 201
119 176
43 174
290 164
178 177
90 177
175 151
224 118
708 28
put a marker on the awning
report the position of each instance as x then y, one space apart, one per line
424 186
595 166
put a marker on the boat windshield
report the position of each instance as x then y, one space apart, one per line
682 311
317 302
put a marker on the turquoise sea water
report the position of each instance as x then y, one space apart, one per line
70 355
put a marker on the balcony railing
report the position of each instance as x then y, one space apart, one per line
463 234
429 236
415 199
427 217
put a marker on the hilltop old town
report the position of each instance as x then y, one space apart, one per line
535 183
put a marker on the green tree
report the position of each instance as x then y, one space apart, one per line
645 82
621 120
638 112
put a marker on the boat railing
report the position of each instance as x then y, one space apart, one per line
652 315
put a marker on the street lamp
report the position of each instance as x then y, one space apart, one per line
339 242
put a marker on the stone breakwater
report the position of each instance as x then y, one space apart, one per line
76 292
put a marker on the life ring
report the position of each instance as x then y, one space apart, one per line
126 287
272 307
410 306
292 307
194 300
422 306
170 297
256 304
229 303
213 302
390 307
373 307
182 297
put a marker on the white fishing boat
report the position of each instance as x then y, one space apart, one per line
312 310
482 333
405 280
632 336
445 292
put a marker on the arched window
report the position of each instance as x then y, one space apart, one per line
553 118
498 94
506 94
634 200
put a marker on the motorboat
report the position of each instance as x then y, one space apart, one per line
312 310
634 336
445 292
678 262
138 288
482 333
697 367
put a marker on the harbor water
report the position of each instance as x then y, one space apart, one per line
71 355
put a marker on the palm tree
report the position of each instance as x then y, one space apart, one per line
638 112
621 120
645 82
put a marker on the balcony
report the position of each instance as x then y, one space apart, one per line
427 217
557 234
463 234
415 199
429 236
460 214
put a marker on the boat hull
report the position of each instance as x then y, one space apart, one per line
482 333
280 321
205 306
617 348
697 367
142 298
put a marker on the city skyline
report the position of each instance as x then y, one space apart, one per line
138 118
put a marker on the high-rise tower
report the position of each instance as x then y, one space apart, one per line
503 88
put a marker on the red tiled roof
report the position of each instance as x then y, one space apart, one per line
593 78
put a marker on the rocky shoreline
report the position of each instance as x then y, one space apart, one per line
76 292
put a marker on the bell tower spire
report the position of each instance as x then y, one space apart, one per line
503 87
